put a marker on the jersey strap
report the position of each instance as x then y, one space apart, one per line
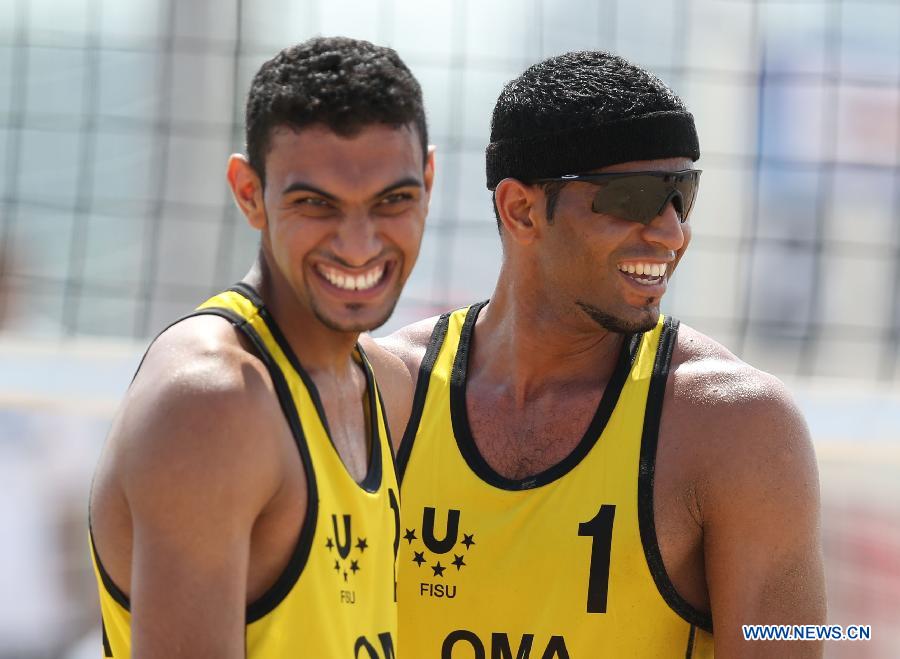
560 563
336 595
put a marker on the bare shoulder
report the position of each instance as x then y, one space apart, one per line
409 344
390 369
186 420
712 384
195 457
395 360
743 445
740 425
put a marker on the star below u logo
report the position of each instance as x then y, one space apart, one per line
436 552
347 554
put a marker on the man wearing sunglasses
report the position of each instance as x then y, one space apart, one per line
581 476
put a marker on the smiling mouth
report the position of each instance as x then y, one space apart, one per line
363 281
648 274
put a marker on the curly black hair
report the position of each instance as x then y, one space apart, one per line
345 84
577 89
580 111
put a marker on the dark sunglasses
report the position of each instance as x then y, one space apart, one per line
640 196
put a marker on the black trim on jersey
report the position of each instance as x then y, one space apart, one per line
107 648
463 432
424 378
246 290
286 580
159 334
372 480
387 429
690 644
111 588
650 437
291 573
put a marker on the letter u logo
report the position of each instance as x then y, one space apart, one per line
343 547
445 545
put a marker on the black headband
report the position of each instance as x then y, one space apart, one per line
645 137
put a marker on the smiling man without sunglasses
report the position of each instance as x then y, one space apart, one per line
582 476
246 502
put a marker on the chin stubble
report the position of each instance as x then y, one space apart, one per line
333 325
362 327
620 325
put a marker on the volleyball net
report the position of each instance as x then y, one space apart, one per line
116 120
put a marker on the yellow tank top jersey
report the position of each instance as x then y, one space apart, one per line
561 565
336 597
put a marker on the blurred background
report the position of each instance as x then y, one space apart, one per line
116 119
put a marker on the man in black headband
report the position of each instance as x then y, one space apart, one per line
581 477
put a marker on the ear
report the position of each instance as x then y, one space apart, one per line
515 202
247 190
428 176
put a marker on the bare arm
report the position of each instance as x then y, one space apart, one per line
760 515
195 478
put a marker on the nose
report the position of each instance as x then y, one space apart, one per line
357 240
666 228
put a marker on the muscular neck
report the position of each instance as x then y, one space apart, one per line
320 349
526 344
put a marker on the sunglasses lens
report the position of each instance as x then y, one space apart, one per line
641 198
687 185
635 198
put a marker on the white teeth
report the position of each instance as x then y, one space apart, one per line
350 282
654 270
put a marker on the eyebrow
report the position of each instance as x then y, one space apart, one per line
402 183
300 186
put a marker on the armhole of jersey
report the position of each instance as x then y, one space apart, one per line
291 573
412 426
647 523
112 589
